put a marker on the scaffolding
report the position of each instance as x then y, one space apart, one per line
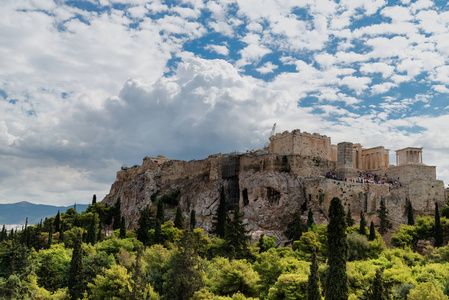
230 173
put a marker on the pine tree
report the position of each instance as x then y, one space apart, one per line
50 237
179 219
438 231
76 285
158 233
117 214
144 226
372 232
94 199
362 227
160 215
409 212
91 237
337 281
192 219
123 228
236 235
382 213
349 220
379 289
221 216
295 228
310 220
313 283
57 222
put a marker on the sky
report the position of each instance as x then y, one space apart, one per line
87 86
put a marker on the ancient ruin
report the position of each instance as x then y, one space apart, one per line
297 171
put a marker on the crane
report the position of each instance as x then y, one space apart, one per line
271 134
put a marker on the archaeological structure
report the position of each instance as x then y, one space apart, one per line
297 171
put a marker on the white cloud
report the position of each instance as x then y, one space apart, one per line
358 84
219 49
267 68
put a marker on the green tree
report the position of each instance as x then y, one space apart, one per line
3 234
382 213
61 233
237 236
50 237
336 279
91 237
426 290
192 219
349 220
409 212
123 228
185 275
310 220
117 214
76 280
160 212
372 232
157 233
295 228
114 284
313 283
144 226
379 289
221 216
94 199
57 222
438 230
362 227
179 219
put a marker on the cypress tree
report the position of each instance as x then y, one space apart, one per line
295 228
372 232
99 234
221 216
261 243
91 237
24 235
61 233
237 236
57 222
192 219
310 220
379 289
336 280
11 234
144 226
123 228
179 219
50 237
438 231
313 283
382 213
409 212
362 228
3 235
76 287
349 220
158 232
117 214
94 199
160 215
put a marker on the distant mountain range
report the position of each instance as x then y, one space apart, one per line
16 213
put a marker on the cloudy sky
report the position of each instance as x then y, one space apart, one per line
86 86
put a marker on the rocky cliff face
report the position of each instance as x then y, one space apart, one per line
268 188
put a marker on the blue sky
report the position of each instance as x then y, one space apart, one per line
86 86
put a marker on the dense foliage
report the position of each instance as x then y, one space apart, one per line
69 256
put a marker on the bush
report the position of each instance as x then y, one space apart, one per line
358 246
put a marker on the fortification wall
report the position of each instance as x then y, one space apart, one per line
408 173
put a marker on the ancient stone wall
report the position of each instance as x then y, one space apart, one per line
302 143
375 158
407 173
409 155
